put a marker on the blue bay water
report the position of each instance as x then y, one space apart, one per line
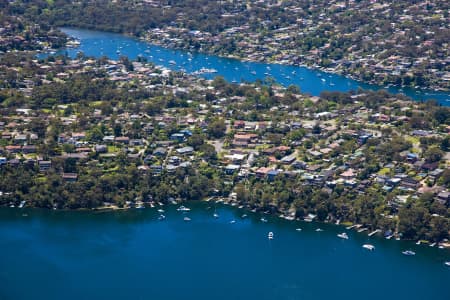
97 43
131 255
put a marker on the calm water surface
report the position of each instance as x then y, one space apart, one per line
97 43
132 255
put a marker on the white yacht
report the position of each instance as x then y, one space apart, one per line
343 236
447 263
368 247
187 219
409 253
182 208
270 235
298 229
161 211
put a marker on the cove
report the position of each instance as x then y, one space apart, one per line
97 43
133 255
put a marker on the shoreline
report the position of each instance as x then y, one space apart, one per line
347 225
380 85
304 64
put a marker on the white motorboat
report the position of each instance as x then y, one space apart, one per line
408 253
298 229
343 236
447 263
270 235
187 219
264 220
319 230
182 208
368 247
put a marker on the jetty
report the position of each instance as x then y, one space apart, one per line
374 232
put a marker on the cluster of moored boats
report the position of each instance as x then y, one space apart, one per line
204 71
270 235
344 236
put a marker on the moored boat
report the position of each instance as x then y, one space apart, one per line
368 247
343 235
182 208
